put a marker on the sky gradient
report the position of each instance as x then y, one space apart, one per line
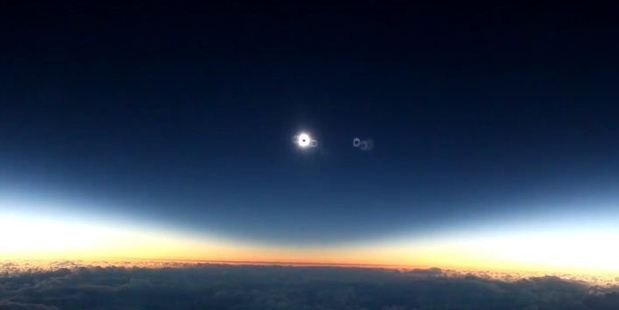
164 131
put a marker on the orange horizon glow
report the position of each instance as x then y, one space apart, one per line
584 253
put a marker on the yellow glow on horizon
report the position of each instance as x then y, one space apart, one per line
53 238
568 252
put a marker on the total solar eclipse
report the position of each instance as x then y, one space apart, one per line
304 140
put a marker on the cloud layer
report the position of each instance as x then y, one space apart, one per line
276 287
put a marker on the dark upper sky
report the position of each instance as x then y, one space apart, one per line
183 114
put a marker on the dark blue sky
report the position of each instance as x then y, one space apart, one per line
182 115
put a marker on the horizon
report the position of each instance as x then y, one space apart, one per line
385 134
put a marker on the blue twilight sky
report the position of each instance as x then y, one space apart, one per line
182 116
